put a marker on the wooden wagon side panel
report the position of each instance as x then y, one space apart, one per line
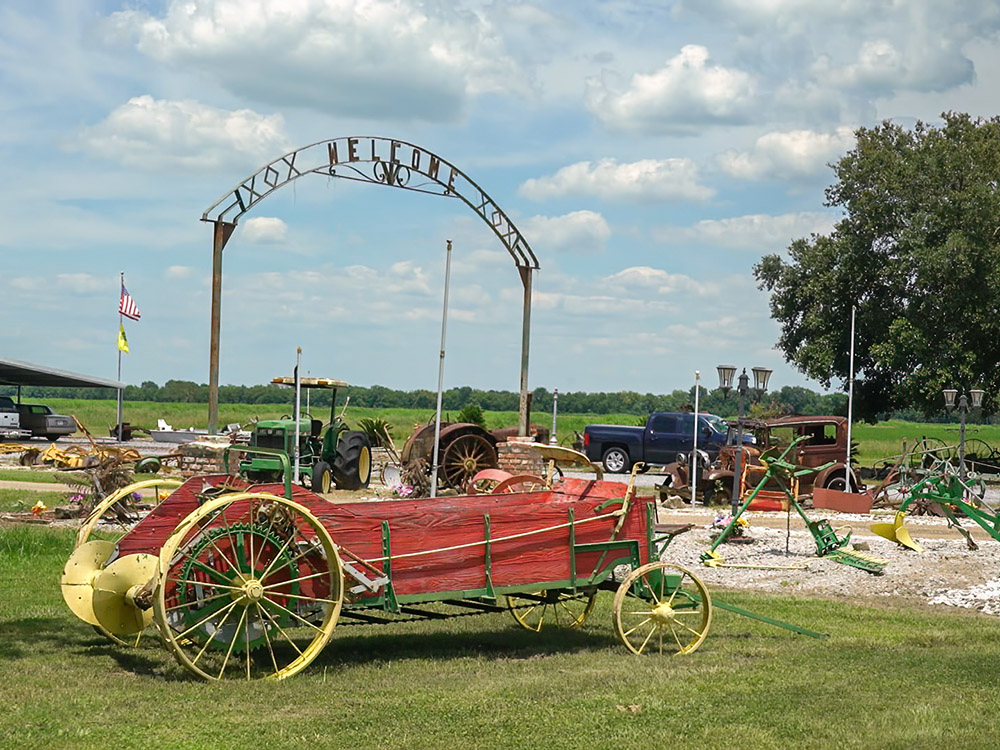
152 531
528 533
528 543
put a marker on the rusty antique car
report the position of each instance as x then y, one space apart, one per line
826 442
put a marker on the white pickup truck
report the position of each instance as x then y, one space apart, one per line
10 420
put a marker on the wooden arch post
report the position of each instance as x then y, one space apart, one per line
375 160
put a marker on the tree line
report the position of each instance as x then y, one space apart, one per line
787 400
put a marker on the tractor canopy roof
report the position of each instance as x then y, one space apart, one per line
288 424
328 383
310 382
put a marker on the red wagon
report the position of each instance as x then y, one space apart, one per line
250 580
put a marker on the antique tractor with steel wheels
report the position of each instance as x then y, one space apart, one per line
464 449
335 455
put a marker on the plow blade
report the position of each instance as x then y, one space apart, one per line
713 559
897 532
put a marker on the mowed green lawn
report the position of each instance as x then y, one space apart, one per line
886 678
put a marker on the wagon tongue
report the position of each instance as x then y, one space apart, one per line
897 532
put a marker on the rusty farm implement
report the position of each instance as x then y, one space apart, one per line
249 581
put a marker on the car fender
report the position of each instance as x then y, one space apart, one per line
676 475
820 479
714 474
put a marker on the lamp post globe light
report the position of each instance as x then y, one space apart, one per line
963 408
760 377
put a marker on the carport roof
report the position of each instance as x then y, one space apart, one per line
13 372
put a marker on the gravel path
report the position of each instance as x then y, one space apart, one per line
946 573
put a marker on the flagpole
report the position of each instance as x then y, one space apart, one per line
121 324
848 472
437 415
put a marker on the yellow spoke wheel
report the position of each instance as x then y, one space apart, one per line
662 608
116 507
551 609
250 587
119 518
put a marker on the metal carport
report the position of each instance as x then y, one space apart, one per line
13 372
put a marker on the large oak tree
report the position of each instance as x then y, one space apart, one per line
918 252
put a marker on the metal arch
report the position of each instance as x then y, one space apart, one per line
394 163
342 157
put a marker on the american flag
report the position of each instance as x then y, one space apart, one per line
127 306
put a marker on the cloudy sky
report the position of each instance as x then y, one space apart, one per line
649 152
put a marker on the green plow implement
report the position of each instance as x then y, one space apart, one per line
828 545
948 495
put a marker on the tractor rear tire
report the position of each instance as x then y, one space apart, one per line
352 467
321 478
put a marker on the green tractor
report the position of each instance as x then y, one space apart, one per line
335 455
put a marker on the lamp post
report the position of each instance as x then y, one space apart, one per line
760 377
963 409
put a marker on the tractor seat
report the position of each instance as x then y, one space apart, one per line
315 427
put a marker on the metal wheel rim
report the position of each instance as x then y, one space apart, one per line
85 530
934 449
559 609
325 482
615 462
83 534
365 465
253 600
464 458
670 620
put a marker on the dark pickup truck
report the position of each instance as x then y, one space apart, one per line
665 435
41 421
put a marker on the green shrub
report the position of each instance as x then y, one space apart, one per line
472 413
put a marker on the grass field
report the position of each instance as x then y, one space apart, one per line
875 441
27 475
21 500
886 678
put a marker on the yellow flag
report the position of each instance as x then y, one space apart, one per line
122 341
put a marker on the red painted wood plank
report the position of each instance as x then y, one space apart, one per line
424 525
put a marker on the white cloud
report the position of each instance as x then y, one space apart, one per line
157 134
265 230
374 58
81 283
791 155
787 17
592 305
645 180
74 283
579 232
687 93
659 281
856 48
756 232
178 273
480 261
882 66
402 277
